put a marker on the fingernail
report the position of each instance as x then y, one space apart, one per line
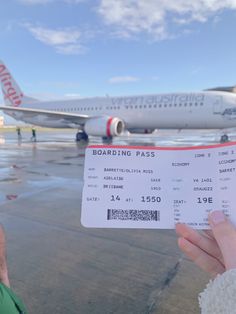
217 217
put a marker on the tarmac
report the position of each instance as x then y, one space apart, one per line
59 267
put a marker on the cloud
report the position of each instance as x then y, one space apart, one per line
129 19
65 41
71 49
55 37
123 79
155 17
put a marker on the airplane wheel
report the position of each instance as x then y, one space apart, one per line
107 139
81 136
224 138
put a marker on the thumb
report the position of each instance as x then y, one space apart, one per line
225 235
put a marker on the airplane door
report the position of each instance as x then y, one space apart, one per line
217 105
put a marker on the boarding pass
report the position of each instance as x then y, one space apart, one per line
157 187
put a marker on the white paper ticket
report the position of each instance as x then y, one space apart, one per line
157 187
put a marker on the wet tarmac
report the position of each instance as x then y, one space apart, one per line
59 267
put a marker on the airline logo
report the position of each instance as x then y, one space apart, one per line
8 87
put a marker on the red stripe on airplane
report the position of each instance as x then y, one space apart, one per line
109 127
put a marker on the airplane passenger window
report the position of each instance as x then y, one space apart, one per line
155 106
160 105
165 105
201 104
196 103
185 105
180 105
175 105
190 104
150 106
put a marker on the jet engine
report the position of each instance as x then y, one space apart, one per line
104 126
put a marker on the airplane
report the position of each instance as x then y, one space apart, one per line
112 116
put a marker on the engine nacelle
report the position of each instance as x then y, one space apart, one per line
104 126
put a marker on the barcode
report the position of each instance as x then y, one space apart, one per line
133 214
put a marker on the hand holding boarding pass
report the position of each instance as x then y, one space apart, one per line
157 187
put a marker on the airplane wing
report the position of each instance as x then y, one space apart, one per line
41 115
93 125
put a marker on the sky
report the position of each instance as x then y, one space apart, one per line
76 48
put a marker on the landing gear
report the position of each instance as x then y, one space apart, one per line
107 139
81 136
224 138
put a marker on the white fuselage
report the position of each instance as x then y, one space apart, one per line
170 111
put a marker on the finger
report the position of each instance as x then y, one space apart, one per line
207 244
208 233
201 258
225 235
